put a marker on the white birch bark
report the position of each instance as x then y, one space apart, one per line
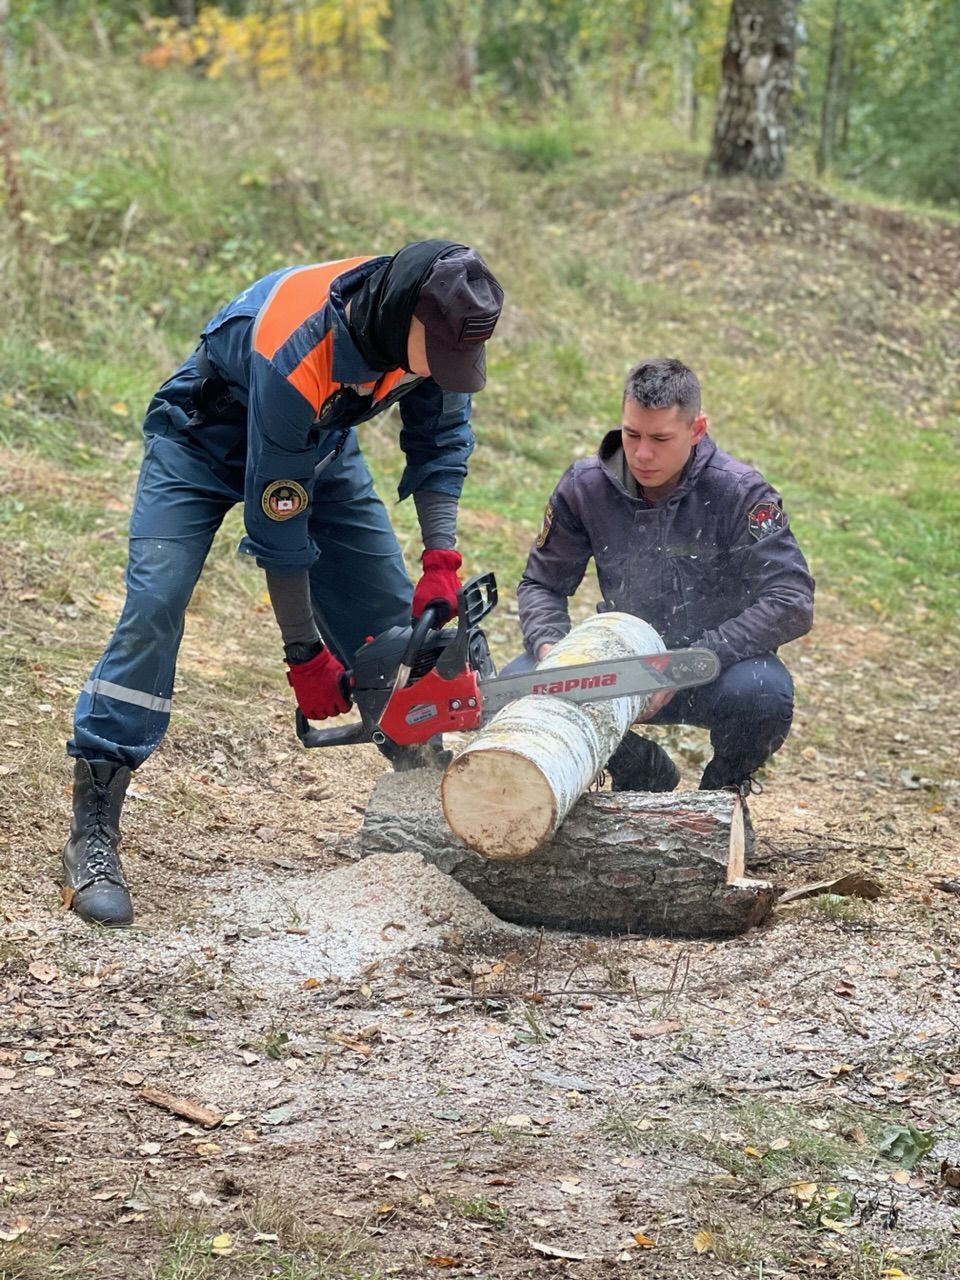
506 793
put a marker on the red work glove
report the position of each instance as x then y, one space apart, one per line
319 687
438 584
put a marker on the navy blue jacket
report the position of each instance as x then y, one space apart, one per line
286 352
713 564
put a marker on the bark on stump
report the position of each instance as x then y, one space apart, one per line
507 792
625 862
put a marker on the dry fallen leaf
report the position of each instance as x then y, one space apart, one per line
441 1261
643 1241
702 1242
42 971
518 1121
16 1229
804 1191
832 1225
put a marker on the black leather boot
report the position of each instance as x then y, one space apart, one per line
93 883
640 764
720 775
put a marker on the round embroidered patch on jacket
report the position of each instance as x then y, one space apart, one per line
766 518
284 499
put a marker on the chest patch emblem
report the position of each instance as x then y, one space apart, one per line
766 518
546 526
284 499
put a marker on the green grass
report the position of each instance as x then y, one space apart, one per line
268 1240
140 230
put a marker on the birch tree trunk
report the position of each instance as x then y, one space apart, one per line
753 106
506 793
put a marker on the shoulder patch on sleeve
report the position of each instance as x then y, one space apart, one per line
546 526
766 518
284 499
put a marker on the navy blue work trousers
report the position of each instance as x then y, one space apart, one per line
748 710
191 475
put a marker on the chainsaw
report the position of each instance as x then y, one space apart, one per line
411 683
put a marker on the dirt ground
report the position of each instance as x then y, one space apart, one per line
404 1085
392 1082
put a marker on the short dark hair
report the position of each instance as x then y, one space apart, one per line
663 383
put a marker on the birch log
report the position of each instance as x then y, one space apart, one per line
506 793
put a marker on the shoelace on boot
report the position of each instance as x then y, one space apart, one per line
100 862
748 786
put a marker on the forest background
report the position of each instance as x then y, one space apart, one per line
155 159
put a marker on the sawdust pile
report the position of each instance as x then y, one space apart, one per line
336 925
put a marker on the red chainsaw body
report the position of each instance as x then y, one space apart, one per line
433 704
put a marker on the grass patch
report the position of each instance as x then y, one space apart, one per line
478 1209
271 1241
27 1262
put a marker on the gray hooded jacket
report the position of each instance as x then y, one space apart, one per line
713 564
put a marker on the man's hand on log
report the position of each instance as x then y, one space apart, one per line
657 701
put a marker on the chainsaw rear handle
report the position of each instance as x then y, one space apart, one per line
344 736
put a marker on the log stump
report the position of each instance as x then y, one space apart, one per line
625 862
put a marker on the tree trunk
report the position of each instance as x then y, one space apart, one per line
624 862
507 792
753 106
831 91
9 160
684 66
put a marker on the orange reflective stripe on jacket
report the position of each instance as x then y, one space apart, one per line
293 317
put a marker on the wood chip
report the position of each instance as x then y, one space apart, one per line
655 1029
206 1117
852 885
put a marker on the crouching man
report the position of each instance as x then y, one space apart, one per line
698 545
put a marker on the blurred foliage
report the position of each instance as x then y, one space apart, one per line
894 102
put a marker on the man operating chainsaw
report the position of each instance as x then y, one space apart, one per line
264 413
698 545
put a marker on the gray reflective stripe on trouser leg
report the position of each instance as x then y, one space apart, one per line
127 695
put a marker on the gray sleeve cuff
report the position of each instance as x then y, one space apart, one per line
290 597
437 513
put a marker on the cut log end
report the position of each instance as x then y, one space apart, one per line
738 853
503 804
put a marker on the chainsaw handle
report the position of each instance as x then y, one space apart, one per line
421 629
343 736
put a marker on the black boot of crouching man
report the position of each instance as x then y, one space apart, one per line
93 883
640 764
719 775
